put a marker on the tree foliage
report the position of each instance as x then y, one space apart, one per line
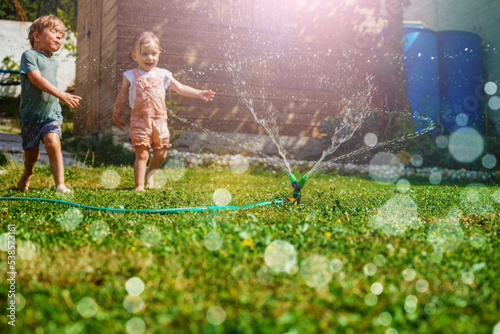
29 10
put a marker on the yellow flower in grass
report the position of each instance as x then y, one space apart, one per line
249 243
328 234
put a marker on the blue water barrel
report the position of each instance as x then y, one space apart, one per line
461 81
420 57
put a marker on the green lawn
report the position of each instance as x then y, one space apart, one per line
355 257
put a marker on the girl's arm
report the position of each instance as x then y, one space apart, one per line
120 101
189 91
45 85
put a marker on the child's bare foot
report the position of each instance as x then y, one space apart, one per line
24 183
139 188
62 189
150 183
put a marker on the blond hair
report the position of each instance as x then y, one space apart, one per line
42 23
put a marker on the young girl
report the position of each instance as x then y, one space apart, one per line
144 87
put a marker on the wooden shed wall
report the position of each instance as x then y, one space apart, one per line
96 64
304 59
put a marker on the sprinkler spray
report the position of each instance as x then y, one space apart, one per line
297 188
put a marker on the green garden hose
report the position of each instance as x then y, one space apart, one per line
173 210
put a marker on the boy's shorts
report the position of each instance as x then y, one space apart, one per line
151 132
33 133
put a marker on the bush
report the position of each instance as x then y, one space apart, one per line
10 107
3 159
100 150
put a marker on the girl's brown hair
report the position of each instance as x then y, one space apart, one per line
42 23
145 38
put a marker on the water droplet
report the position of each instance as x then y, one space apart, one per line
99 231
110 179
385 318
4 242
403 185
241 273
409 274
496 196
280 256
174 169
441 141
160 177
87 307
134 286
379 260
377 288
490 88
445 235
370 139
435 178
315 271
397 216
462 119
385 168
411 303
20 301
371 299
466 145
475 199
370 269
151 236
26 250
212 241
70 219
133 304
494 103
416 160
216 315
477 240
136 325
468 278
221 197
422 285
336 265
436 257
239 164
430 309
489 161
264 276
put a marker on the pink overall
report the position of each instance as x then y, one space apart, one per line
148 121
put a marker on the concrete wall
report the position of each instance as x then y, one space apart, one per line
477 16
14 41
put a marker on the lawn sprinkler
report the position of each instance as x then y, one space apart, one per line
297 188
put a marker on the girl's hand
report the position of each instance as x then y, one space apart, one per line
118 121
207 95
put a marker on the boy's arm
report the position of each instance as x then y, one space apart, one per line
45 85
120 101
189 91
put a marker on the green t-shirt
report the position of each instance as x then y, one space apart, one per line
37 106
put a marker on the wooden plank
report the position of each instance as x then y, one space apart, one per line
246 127
109 28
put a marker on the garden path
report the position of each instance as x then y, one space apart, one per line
11 146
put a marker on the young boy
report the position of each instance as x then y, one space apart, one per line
40 112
